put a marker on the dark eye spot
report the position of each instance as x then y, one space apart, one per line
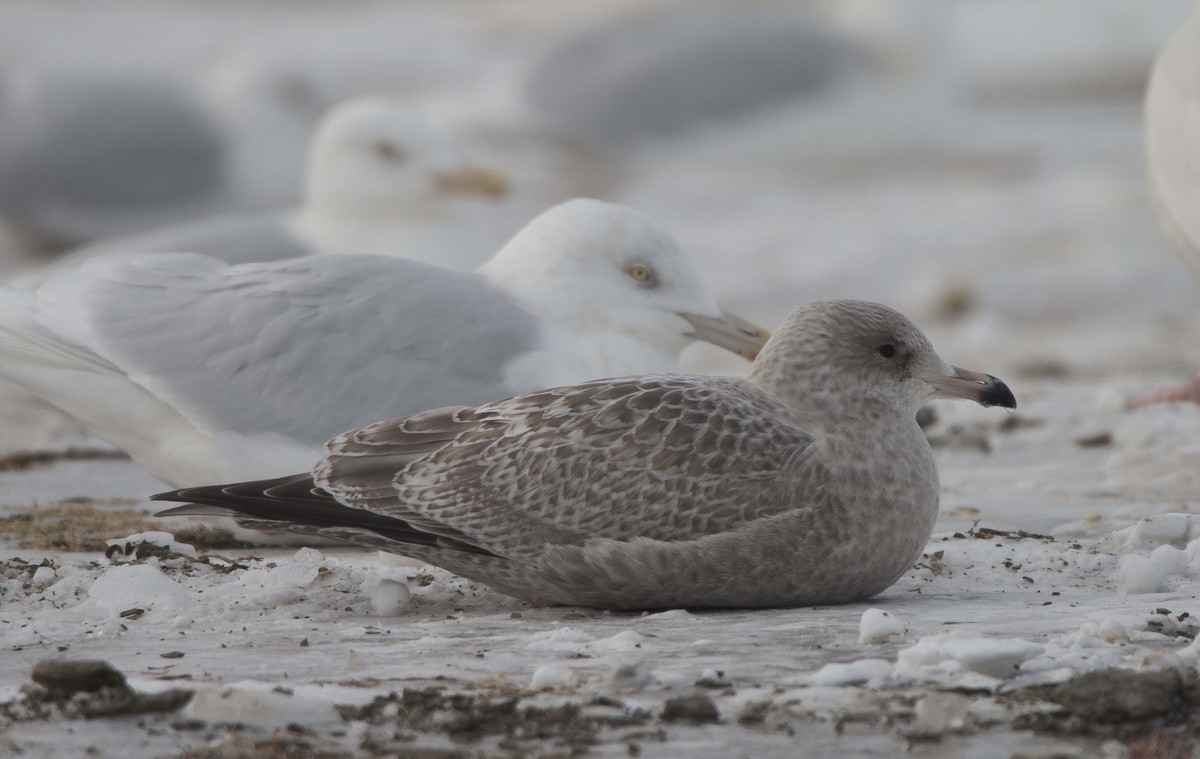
887 350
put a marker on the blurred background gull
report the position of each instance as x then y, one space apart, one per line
976 165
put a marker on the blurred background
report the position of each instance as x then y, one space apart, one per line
974 164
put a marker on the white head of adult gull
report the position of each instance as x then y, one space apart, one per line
808 482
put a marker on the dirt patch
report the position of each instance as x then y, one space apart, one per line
78 525
202 537
290 744
1116 703
33 459
88 689
521 730
72 526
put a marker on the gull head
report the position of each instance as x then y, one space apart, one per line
604 270
375 155
862 354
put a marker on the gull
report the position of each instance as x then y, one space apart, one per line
807 482
1172 140
382 179
204 371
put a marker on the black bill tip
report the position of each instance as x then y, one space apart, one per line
996 393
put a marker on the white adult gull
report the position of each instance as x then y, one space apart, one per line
382 179
808 482
1171 133
203 371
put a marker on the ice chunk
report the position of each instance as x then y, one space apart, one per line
142 586
955 651
878 625
626 640
44 576
995 657
552 675
863 671
1151 532
1107 630
275 586
565 639
391 597
1170 560
269 707
939 712
1138 574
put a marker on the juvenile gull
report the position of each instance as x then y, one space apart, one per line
382 179
204 372
1172 142
808 482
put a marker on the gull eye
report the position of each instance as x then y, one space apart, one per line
887 350
388 151
640 273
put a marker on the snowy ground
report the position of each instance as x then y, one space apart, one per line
1019 237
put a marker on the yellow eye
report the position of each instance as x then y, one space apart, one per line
389 151
640 273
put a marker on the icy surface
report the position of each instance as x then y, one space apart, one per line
1006 214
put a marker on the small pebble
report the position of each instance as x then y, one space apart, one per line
74 675
698 709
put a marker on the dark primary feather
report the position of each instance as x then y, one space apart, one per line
297 500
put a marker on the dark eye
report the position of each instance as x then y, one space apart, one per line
887 350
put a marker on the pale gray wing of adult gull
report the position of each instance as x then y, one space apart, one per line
651 75
84 157
1172 141
199 369
808 482
382 179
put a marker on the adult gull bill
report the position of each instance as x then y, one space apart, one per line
203 371
382 179
1172 141
808 482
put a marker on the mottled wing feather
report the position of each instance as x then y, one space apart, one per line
667 458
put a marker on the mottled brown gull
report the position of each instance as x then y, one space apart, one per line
808 482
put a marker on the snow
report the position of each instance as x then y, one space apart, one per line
958 650
877 626
248 703
1018 234
143 585
861 672
551 676
391 598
